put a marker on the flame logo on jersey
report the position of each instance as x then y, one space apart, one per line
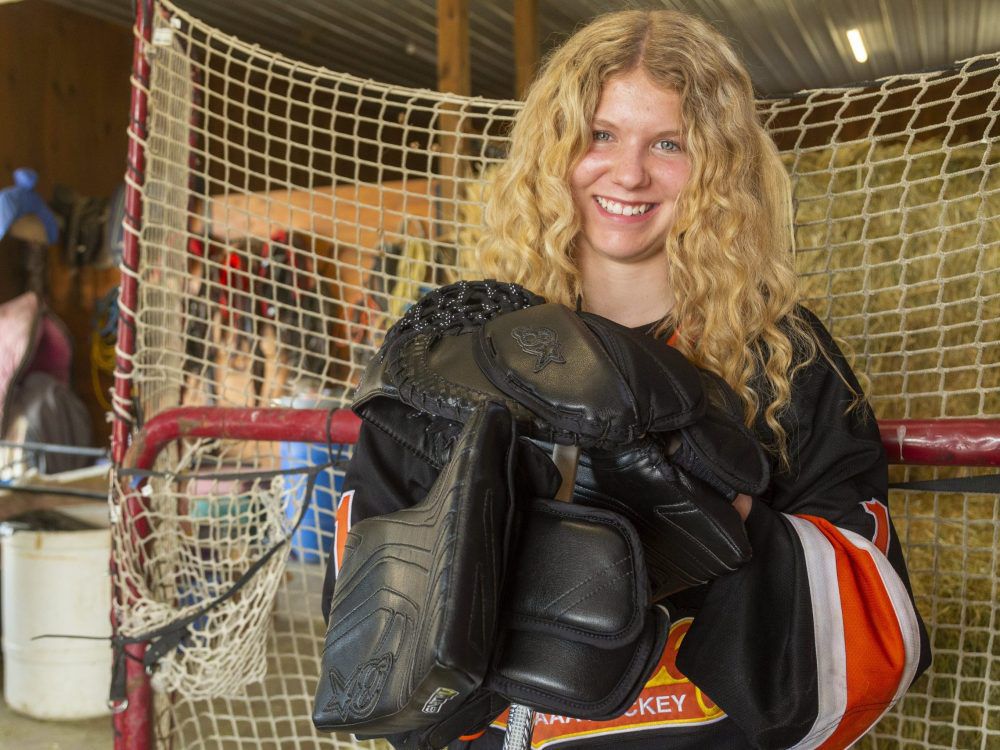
342 527
541 342
880 513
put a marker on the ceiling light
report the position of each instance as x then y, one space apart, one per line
857 45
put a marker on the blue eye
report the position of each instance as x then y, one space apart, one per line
668 145
601 135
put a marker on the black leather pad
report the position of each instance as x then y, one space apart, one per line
571 678
579 575
413 618
578 636
598 383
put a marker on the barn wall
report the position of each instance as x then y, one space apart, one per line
64 93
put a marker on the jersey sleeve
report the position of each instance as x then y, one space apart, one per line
817 636
394 464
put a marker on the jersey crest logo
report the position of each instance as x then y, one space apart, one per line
880 513
341 529
668 700
541 342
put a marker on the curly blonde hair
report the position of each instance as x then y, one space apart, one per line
730 255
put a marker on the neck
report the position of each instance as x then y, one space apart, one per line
629 294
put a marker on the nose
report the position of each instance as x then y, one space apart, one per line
630 170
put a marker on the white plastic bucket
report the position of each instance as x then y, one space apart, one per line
56 582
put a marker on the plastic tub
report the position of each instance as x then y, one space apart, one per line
56 583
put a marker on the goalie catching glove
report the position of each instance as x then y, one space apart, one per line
663 442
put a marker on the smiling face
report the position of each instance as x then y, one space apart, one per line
626 185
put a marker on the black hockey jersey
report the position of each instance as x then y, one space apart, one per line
805 646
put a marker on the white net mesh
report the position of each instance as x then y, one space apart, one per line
291 213
209 527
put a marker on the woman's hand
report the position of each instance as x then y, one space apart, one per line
743 504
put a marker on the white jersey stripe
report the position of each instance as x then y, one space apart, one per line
828 626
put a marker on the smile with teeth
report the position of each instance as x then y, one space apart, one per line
623 209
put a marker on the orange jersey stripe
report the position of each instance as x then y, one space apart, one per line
874 645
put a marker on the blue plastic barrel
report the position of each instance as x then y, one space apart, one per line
313 540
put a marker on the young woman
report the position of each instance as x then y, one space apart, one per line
641 186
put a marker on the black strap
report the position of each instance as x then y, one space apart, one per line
44 489
988 484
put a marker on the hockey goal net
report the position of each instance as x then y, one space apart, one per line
281 216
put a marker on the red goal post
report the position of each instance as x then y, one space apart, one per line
964 443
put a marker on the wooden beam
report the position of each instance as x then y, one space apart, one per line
453 47
525 44
454 76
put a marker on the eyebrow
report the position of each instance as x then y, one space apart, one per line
599 123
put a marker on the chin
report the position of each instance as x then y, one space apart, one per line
630 254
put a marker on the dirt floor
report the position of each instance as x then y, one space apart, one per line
19 732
